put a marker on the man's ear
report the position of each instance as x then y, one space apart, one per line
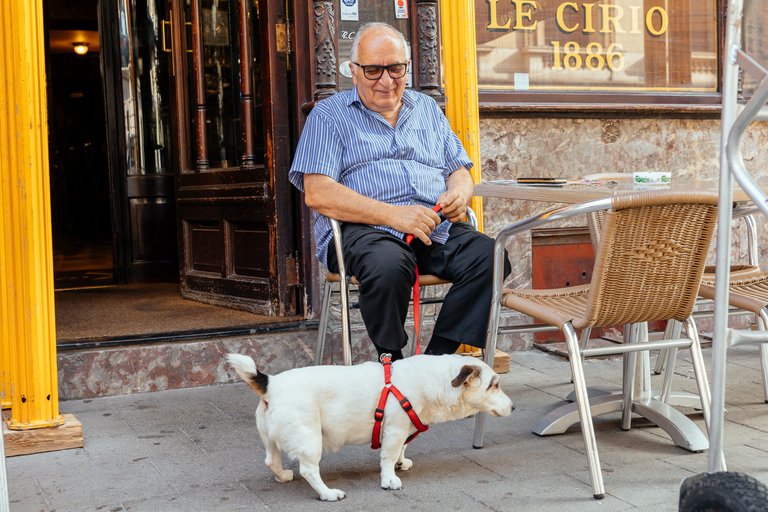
466 376
352 70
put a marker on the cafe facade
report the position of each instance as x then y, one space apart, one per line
196 106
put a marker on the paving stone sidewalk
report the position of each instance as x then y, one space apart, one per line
198 450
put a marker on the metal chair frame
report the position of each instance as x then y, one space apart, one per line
345 281
688 436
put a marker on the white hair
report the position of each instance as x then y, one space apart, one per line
373 25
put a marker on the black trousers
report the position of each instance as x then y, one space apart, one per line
385 267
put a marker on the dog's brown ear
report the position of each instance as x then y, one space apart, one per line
466 375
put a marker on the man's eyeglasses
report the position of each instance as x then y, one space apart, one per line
374 71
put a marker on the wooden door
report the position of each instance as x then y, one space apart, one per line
234 203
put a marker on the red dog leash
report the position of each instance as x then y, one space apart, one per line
378 416
416 292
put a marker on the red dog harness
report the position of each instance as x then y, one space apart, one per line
378 416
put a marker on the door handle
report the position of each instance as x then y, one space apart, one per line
170 25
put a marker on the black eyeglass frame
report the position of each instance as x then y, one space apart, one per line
365 74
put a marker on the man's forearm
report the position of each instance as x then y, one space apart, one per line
461 181
336 201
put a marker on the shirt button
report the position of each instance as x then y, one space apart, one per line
402 152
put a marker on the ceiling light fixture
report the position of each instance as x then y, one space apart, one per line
80 48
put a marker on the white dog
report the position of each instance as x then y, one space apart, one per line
308 410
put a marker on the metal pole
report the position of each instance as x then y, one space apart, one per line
724 217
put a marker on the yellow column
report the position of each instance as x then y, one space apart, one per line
460 69
26 260
461 104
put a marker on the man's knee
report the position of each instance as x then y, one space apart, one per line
390 269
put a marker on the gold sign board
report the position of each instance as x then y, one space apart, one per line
615 45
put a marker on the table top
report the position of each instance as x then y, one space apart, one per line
579 192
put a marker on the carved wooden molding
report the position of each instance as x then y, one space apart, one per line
429 66
325 49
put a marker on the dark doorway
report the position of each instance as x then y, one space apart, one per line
114 159
79 171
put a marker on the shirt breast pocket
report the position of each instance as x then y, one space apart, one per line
427 147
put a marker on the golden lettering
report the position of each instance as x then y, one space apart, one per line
493 24
520 14
649 21
561 21
588 29
635 19
608 19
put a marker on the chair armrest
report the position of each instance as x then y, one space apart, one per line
747 213
472 218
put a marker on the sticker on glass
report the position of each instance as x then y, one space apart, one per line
401 9
344 69
348 11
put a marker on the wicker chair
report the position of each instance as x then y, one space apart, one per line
648 266
738 272
343 280
748 293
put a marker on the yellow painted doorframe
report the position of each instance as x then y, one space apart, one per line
28 363
457 19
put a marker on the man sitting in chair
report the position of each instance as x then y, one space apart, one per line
377 158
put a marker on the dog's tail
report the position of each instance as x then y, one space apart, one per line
247 371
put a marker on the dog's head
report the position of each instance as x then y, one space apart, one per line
481 389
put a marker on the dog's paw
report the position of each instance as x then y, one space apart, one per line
404 465
285 476
392 483
333 495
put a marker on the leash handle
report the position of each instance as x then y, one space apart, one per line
416 292
409 238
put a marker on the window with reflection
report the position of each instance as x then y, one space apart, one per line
221 81
146 103
354 14
654 46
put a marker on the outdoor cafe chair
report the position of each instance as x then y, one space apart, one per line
748 293
747 287
339 284
650 258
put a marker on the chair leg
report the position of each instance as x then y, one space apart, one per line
630 371
666 386
762 324
672 332
764 366
585 337
346 326
490 352
663 353
700 372
321 329
585 416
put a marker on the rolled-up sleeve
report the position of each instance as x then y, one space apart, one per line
320 150
456 156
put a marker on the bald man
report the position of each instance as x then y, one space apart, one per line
377 158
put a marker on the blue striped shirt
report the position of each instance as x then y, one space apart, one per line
358 148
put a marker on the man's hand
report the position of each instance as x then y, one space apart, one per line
455 200
334 200
418 221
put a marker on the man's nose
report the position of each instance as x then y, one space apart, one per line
385 79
